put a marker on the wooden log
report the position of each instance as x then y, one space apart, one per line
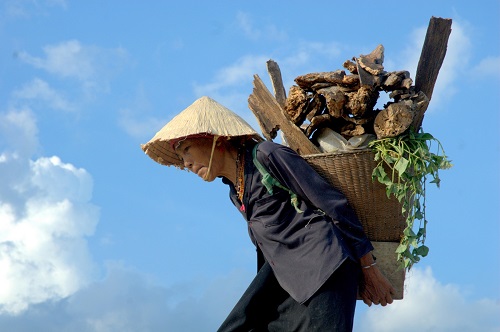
315 107
335 100
275 74
394 120
317 122
351 130
361 102
351 81
296 105
431 59
308 80
394 80
271 117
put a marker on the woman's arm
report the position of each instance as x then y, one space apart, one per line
375 288
296 174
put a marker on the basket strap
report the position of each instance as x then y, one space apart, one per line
270 182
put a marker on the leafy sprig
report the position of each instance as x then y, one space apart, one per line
404 163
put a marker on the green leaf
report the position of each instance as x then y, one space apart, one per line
426 136
401 165
414 242
409 161
422 250
437 181
401 249
409 232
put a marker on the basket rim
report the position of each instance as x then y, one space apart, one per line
338 153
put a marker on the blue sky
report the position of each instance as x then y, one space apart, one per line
95 236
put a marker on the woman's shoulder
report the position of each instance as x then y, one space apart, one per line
268 147
270 152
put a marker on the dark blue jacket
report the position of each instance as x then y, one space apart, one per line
303 249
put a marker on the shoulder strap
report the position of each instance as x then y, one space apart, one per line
270 182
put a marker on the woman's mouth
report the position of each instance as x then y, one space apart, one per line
199 171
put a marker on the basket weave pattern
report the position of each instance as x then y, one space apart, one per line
351 173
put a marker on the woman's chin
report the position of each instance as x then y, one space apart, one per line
202 173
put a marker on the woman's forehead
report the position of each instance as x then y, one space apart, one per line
192 141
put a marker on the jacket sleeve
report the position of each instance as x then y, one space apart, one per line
296 174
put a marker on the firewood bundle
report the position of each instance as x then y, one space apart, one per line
346 102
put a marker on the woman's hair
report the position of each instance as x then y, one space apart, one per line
237 142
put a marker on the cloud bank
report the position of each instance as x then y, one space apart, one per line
45 217
433 306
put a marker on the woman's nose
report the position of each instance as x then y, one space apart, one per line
188 164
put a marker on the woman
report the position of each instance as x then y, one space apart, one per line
310 255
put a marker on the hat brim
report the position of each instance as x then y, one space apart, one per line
204 117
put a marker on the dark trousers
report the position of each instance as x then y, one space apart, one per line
265 306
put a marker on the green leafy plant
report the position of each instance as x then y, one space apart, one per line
404 163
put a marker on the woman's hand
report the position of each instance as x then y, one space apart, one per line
374 288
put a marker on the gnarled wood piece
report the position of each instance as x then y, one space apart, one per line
275 74
308 80
351 66
362 101
335 100
394 120
367 79
270 116
373 62
315 107
396 80
317 122
296 104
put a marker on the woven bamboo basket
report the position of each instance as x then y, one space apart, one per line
351 173
381 217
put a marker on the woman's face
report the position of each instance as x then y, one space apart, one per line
195 153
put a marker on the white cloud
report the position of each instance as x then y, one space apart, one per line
432 306
268 32
141 127
128 301
60 3
410 54
67 59
46 215
246 25
19 131
135 120
38 89
90 65
454 64
27 8
225 87
308 57
488 67
235 75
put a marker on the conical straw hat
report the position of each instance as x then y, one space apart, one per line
204 116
